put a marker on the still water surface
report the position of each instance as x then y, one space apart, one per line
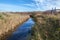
22 31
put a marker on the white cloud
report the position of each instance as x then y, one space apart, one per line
47 4
31 5
39 1
9 7
36 5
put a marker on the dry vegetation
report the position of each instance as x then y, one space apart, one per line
47 27
9 22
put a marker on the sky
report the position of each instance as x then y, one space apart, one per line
28 5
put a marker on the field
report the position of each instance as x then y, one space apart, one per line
9 22
47 26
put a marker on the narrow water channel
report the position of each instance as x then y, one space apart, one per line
22 31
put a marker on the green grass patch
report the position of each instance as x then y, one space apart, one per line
1 16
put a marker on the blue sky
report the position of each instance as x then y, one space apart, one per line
28 5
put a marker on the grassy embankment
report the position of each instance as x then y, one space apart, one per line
47 27
9 22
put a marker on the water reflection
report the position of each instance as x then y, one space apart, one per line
22 31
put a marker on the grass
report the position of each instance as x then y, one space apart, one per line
47 27
9 22
1 17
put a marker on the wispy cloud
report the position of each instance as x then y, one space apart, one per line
32 5
47 4
9 7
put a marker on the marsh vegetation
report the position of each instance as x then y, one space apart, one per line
9 22
47 27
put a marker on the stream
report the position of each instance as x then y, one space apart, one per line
22 31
